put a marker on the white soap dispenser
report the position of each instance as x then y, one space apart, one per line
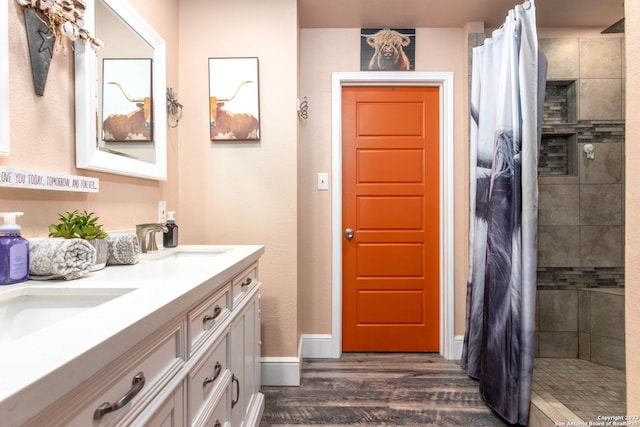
14 251
170 238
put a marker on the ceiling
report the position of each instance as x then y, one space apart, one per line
452 13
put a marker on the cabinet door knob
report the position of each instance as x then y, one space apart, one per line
136 385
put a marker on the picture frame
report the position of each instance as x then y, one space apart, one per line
127 102
387 49
4 82
234 101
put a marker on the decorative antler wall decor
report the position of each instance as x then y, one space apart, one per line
174 108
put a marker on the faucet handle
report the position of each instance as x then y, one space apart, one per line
147 236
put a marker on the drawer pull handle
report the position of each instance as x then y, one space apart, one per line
216 373
247 282
234 379
209 317
136 385
217 424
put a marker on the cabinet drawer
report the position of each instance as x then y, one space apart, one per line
206 319
243 282
208 380
139 375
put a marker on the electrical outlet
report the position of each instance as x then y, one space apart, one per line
162 211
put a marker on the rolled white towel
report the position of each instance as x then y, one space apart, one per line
124 248
59 258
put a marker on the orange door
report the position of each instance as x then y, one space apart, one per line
390 265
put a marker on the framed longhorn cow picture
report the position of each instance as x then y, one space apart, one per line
126 100
387 49
234 107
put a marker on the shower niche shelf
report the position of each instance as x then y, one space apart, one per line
558 149
558 155
560 103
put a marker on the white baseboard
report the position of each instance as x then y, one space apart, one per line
458 341
317 346
280 371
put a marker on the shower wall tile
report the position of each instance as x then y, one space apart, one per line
584 346
601 246
607 351
600 99
584 311
601 204
607 315
558 204
558 344
562 57
600 58
559 180
558 246
607 166
557 311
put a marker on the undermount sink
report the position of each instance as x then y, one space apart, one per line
25 310
180 254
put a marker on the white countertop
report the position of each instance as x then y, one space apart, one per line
63 355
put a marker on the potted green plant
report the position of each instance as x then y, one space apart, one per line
83 225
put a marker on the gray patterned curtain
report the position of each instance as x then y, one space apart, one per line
508 80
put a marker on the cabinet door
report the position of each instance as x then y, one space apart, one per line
250 344
238 404
245 355
171 412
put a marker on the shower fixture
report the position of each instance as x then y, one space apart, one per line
588 151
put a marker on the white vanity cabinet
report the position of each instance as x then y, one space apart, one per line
246 400
200 368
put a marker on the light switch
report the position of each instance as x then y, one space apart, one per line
323 181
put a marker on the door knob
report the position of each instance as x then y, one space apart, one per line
348 233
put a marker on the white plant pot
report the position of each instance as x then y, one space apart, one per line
102 252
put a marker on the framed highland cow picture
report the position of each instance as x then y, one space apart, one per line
234 99
387 49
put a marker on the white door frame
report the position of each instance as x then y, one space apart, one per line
444 81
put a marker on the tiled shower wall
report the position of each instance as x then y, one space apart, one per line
580 298
581 218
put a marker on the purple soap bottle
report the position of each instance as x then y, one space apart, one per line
14 251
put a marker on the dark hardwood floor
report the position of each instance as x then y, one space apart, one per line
379 389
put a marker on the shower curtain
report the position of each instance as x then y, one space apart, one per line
507 95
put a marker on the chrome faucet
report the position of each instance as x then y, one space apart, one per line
147 236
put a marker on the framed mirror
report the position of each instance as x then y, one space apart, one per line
121 119
4 81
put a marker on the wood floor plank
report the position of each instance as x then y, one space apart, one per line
379 389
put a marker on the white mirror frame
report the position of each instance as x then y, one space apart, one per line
4 81
88 156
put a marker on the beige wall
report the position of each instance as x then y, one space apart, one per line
245 193
632 206
43 136
249 193
324 51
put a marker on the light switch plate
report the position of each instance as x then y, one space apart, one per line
323 181
162 211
